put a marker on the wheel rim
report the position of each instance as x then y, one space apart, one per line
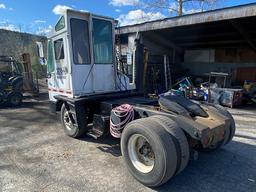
141 153
68 121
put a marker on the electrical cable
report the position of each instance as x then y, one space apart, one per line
120 63
125 114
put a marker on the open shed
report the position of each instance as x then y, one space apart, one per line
222 40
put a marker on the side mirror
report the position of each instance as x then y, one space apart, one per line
40 52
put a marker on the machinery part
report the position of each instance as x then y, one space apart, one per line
120 116
229 132
179 139
232 128
14 99
217 145
149 152
180 105
68 120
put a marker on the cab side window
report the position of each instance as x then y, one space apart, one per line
59 49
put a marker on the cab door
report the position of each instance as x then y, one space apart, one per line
61 63
58 67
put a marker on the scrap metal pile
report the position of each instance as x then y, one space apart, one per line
216 91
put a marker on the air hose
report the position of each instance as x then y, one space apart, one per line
120 117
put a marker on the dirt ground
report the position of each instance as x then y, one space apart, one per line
35 155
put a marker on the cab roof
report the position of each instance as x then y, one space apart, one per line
72 11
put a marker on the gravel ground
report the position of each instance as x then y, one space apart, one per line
35 155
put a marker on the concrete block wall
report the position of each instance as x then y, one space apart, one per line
15 44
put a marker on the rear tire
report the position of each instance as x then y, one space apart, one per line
149 152
70 125
179 139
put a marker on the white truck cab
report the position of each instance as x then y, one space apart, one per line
81 57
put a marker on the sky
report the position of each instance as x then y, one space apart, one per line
38 17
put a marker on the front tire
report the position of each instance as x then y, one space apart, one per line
70 125
149 152
14 99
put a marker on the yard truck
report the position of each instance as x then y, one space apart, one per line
157 136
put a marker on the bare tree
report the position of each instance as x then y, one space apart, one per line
180 7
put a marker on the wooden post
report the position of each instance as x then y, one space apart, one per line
146 55
180 7
28 83
165 72
27 66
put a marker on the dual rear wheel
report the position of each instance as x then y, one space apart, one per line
154 149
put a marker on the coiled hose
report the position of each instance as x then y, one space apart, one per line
120 116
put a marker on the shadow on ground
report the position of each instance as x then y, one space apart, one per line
224 170
35 155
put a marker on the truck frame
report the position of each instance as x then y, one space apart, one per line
158 136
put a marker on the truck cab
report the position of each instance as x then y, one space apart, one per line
81 57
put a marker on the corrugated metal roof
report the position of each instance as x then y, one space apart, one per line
236 12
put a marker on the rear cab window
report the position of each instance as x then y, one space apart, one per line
102 41
80 41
